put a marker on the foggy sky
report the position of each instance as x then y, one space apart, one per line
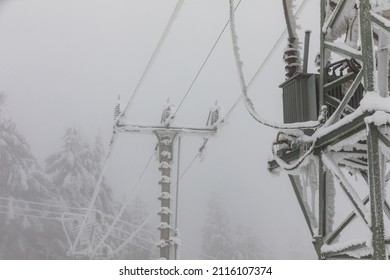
64 62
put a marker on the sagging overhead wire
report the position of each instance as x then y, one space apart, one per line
244 88
124 205
270 53
205 61
96 191
163 37
156 51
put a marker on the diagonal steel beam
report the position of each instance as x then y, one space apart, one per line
357 203
380 21
331 237
334 16
301 204
348 95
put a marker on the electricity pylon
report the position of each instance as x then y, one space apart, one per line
352 142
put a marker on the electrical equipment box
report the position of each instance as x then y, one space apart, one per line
300 98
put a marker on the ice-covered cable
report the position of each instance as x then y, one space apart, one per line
258 71
248 102
96 191
296 164
133 234
124 205
156 51
204 62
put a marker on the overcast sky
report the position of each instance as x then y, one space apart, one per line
64 62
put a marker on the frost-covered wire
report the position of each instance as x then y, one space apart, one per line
29 215
156 51
288 6
124 205
298 163
204 62
96 191
248 102
270 53
133 234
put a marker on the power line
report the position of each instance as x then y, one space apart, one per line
204 62
97 189
163 37
124 205
244 86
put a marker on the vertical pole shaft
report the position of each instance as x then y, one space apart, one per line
165 157
383 64
177 195
322 55
367 44
322 218
376 193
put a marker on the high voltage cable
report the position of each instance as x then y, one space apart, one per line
124 205
59 212
244 87
96 191
248 102
204 62
155 52
163 37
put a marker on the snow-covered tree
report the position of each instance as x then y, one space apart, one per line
75 170
247 244
21 179
216 233
224 241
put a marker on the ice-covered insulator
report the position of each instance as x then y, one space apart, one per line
117 109
167 114
215 115
292 58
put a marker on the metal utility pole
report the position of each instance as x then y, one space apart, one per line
166 136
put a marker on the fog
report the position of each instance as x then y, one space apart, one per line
64 63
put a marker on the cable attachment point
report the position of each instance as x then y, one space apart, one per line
323 114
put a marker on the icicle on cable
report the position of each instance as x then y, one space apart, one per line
96 191
248 102
124 205
156 51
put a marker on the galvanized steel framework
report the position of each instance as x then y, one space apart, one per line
368 161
